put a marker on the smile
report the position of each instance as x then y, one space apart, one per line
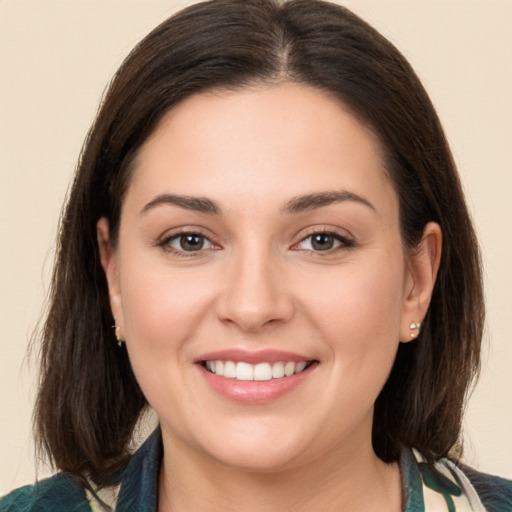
260 372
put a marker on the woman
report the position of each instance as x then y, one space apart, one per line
267 242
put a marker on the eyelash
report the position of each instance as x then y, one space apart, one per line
344 242
164 244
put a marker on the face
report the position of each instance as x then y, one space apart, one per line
259 280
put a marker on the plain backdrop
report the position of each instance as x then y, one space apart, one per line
56 58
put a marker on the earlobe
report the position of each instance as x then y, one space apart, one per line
109 263
423 267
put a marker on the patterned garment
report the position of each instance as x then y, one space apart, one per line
445 488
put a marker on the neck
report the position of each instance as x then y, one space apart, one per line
341 480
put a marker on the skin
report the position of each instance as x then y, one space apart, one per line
258 282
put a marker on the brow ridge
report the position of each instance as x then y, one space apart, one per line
319 199
198 204
295 205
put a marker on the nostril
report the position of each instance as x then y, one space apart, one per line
253 295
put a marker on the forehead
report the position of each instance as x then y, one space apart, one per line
268 143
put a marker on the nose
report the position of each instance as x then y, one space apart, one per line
254 293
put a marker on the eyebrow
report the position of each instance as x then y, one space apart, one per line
317 200
295 205
197 204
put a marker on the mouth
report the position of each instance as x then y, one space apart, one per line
255 377
264 371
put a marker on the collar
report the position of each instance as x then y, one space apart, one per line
424 489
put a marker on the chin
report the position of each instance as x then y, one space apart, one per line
258 460
267 449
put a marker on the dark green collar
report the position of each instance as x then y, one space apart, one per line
139 489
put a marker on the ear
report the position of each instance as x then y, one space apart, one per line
110 264
423 265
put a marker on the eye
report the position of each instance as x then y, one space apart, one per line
323 242
187 242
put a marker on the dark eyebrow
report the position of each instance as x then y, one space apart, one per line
319 199
198 204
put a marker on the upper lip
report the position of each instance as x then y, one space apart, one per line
253 357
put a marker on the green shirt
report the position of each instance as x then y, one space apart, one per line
446 487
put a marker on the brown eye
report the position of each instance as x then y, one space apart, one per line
323 242
187 242
191 242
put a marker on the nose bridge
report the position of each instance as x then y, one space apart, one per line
254 293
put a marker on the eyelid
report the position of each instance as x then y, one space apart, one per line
346 241
164 240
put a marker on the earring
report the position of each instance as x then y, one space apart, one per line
415 327
118 336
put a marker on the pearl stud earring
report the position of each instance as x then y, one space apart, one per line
415 327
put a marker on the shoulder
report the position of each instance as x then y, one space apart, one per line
60 493
468 489
450 485
136 488
494 492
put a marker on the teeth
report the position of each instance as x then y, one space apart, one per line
300 366
244 371
260 372
230 370
289 369
278 370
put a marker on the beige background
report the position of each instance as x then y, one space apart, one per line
55 60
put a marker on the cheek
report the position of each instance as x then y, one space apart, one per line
365 299
357 312
162 309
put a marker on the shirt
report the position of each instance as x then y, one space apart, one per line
446 487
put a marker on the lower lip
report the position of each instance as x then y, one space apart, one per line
253 391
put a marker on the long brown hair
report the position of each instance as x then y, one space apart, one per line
89 400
